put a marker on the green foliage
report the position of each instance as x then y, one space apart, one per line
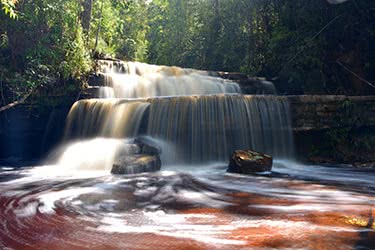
77 62
8 6
338 136
296 43
45 45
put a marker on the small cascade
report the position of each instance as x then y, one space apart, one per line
106 92
140 80
201 128
113 118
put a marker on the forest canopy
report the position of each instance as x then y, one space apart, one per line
307 46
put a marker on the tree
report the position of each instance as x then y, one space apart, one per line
8 6
307 46
86 15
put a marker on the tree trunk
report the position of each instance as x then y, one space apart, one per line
99 27
86 15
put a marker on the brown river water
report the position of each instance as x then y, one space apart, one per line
188 207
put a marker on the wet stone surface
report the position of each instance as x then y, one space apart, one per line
249 162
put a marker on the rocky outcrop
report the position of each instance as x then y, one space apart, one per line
249 162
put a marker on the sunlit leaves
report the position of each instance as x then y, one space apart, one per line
8 6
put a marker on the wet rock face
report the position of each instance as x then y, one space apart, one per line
249 162
147 146
29 131
135 164
141 157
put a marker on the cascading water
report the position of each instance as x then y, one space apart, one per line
201 115
201 128
182 207
137 80
210 128
114 118
106 92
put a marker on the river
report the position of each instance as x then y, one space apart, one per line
188 207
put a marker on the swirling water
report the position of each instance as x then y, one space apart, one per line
75 203
187 207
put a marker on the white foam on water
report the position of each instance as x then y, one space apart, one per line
174 225
49 199
96 154
27 211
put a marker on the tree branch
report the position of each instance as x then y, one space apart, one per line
13 104
355 74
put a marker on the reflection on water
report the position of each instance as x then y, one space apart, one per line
184 207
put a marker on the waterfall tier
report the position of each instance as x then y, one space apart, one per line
140 80
200 128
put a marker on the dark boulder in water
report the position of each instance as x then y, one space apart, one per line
135 164
141 156
249 162
147 146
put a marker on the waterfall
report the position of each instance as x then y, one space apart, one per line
208 128
194 115
140 80
106 92
201 128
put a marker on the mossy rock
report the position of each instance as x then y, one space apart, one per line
249 162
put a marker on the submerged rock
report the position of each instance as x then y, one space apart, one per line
249 162
135 164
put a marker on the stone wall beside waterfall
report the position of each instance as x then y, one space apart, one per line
334 129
